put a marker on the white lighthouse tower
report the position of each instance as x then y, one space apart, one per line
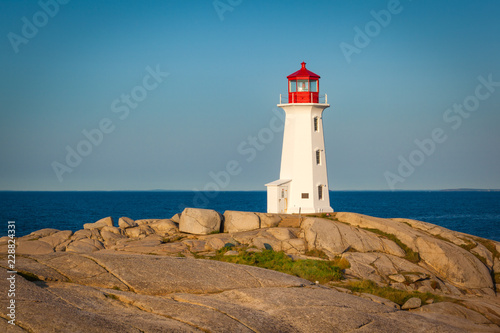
303 183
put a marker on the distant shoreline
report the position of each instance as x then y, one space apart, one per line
158 190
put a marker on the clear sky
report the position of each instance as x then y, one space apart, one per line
170 92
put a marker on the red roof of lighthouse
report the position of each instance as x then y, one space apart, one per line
303 73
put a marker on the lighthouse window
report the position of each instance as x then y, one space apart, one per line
318 156
314 86
305 195
316 128
320 192
302 85
293 86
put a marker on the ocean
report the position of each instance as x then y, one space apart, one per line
472 212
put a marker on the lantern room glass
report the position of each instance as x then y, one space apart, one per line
293 86
314 86
302 85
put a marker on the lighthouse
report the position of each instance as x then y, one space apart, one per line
303 183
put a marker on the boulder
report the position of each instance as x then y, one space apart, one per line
126 222
281 233
269 220
99 224
164 227
176 218
336 238
199 221
412 303
139 232
57 238
146 221
111 237
454 263
235 221
113 230
81 234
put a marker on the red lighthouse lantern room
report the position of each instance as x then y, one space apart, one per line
303 86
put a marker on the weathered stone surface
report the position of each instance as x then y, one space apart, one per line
412 303
380 300
489 307
397 277
176 218
33 247
294 246
110 236
235 221
336 238
84 245
453 236
146 221
164 227
457 316
81 234
215 243
281 233
455 264
39 234
450 261
122 290
139 232
199 221
126 222
99 224
483 252
195 245
112 229
269 220
266 242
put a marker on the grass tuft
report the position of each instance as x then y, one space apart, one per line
312 270
316 253
411 255
395 295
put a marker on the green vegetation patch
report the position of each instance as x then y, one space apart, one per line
395 295
316 253
489 245
411 255
312 270
173 239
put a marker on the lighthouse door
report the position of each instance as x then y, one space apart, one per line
283 198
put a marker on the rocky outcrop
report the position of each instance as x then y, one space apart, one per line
107 221
240 221
336 238
146 269
130 293
126 222
199 221
448 260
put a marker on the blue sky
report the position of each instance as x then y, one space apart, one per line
227 64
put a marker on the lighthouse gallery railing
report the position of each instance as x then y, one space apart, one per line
321 99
